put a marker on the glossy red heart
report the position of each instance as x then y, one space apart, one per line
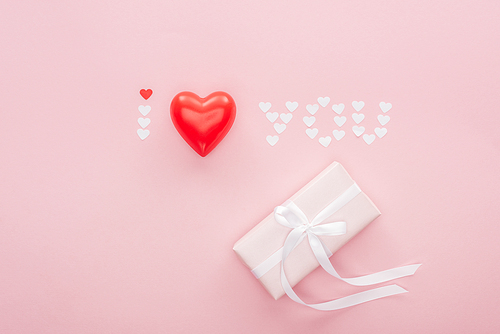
146 93
203 122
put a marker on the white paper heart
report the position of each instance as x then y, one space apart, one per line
323 101
309 120
380 132
144 110
358 117
338 108
312 108
265 106
279 127
368 138
272 140
325 141
143 134
340 120
358 130
291 106
312 132
286 117
383 119
358 105
143 122
385 107
338 134
272 116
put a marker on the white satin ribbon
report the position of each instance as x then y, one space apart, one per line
291 216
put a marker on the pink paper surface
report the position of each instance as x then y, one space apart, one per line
101 232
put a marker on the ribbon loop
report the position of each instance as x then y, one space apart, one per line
287 217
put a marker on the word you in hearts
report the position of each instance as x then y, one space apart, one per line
280 118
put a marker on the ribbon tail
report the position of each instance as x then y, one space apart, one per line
359 298
344 302
335 304
318 249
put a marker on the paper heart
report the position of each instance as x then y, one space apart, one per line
338 134
323 101
358 130
312 132
380 132
144 110
291 106
286 117
143 134
146 93
340 120
309 120
279 127
358 117
358 105
325 141
203 122
338 108
265 106
312 108
272 140
368 138
385 107
383 119
143 122
272 116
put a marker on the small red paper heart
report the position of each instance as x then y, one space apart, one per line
146 93
203 122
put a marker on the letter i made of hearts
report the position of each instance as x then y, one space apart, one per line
203 122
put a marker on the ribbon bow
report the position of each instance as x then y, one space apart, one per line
291 216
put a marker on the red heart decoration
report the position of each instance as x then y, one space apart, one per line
203 122
146 93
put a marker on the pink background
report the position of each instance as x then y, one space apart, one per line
101 232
